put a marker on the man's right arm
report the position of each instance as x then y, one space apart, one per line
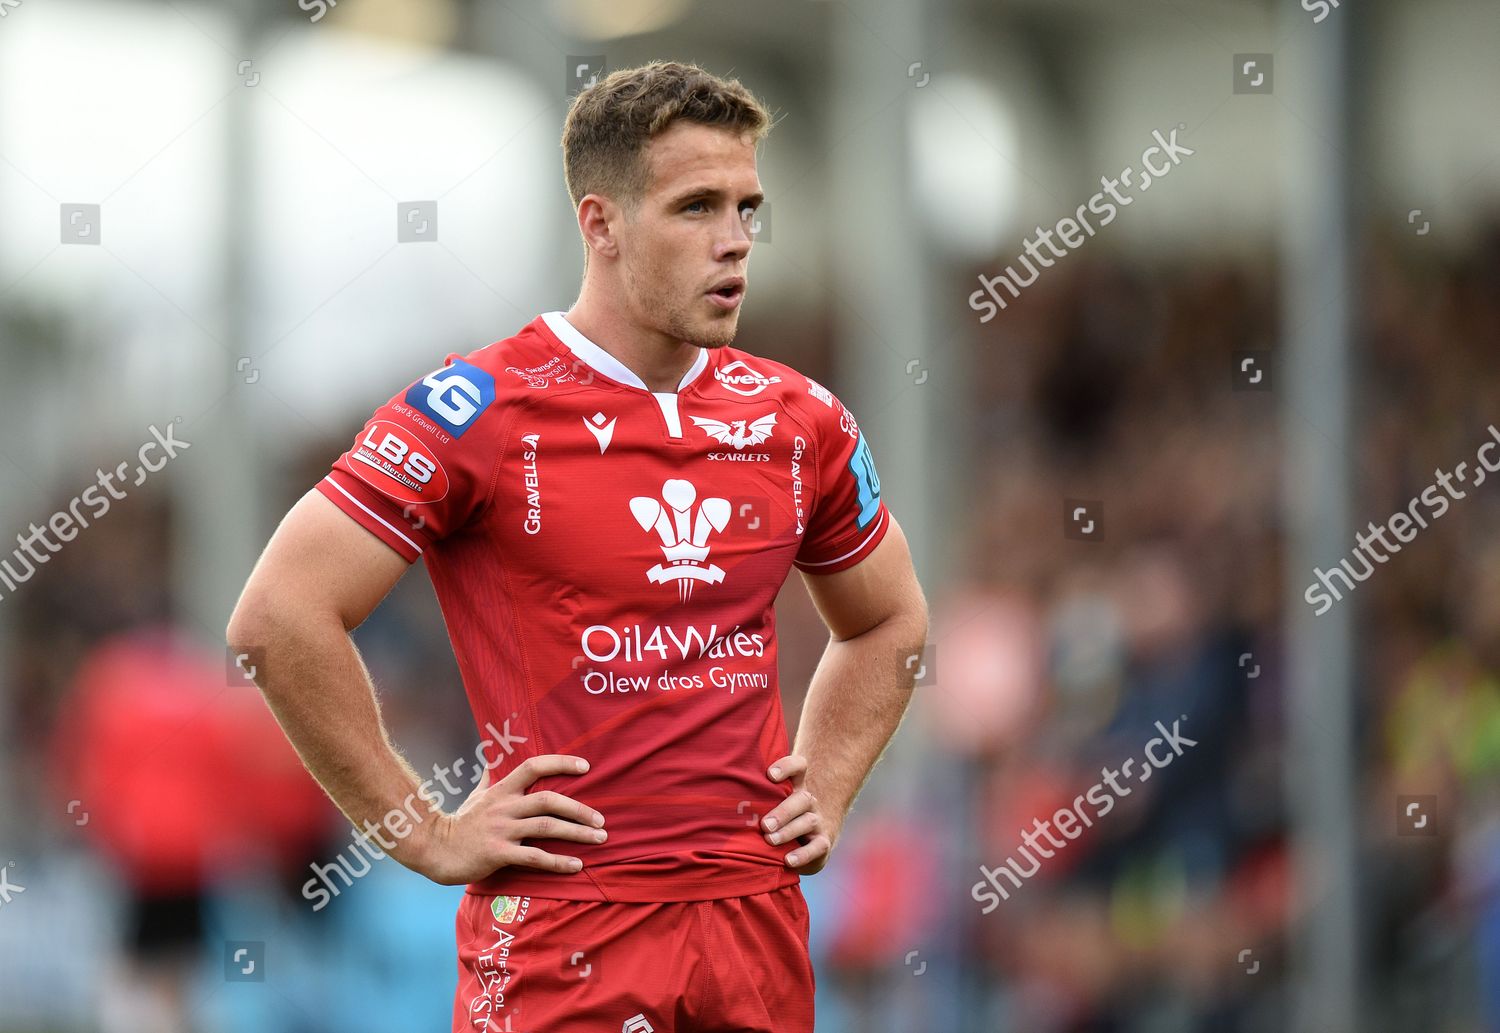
318 579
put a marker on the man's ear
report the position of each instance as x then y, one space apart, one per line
597 217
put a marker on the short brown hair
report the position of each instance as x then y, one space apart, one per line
610 123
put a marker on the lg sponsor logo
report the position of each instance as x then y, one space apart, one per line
454 396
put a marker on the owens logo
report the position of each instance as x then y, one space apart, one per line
401 471
454 396
742 380
684 534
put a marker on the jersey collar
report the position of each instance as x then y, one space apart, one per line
603 362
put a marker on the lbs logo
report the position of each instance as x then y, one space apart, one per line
454 396
401 471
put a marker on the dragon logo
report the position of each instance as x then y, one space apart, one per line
738 433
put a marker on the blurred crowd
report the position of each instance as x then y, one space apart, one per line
1055 656
1115 386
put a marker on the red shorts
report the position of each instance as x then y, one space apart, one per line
539 965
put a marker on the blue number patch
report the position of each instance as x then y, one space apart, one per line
862 465
454 396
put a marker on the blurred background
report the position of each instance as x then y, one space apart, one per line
238 227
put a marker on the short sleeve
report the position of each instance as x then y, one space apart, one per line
848 519
419 469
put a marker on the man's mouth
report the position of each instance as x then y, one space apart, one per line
727 293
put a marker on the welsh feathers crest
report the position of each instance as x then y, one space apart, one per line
684 530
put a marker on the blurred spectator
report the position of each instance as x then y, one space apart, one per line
187 782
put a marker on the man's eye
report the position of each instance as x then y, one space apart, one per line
692 204
746 211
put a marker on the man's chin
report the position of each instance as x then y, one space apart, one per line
707 330
717 332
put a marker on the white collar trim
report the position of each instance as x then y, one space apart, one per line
603 362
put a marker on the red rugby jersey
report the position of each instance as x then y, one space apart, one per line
607 559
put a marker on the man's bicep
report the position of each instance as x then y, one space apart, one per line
321 559
881 587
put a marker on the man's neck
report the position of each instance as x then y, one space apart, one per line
658 360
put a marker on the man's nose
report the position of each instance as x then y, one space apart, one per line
738 239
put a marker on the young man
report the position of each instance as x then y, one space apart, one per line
608 503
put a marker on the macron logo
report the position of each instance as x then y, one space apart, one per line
601 430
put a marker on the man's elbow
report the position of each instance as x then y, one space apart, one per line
248 628
904 628
266 618
905 620
915 621
260 621
912 613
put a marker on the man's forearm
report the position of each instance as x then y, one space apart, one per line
317 687
855 702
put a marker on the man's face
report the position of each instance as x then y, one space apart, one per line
691 234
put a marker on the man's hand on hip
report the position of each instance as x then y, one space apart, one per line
802 818
485 833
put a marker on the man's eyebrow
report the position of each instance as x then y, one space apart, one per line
699 193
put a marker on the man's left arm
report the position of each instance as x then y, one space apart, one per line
877 622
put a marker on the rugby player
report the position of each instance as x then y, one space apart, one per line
608 503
